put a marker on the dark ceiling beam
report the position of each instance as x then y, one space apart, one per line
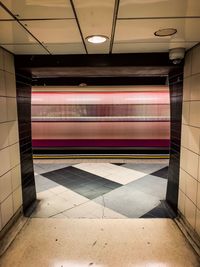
78 24
99 81
115 14
103 60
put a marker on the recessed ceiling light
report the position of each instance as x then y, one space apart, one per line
165 32
97 39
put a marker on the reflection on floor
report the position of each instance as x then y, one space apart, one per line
100 243
130 189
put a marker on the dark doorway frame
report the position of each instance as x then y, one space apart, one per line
112 69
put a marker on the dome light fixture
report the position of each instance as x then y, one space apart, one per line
97 39
165 32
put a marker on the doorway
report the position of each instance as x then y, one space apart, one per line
127 177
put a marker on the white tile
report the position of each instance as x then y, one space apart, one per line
54 31
3 113
197 227
5 161
6 210
198 195
186 88
45 194
186 112
26 49
58 189
16 177
43 9
159 9
54 203
188 64
9 62
190 212
5 186
4 135
11 32
181 202
44 212
194 118
195 87
91 210
13 134
2 83
11 109
73 198
66 48
0 219
112 172
182 180
14 155
189 162
17 199
10 84
196 60
191 188
190 138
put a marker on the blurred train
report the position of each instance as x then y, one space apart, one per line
90 119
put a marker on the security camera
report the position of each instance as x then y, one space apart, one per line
177 54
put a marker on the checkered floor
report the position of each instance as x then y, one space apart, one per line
102 190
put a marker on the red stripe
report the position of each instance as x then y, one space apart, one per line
101 143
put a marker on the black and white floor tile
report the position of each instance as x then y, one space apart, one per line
102 190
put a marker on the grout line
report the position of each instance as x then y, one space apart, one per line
70 208
114 22
172 17
79 26
18 21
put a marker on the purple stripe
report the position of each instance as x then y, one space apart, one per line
101 143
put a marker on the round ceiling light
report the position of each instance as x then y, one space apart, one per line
97 39
165 32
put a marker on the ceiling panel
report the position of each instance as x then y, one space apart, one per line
39 9
54 31
12 33
95 18
142 31
148 47
25 49
158 8
73 48
4 14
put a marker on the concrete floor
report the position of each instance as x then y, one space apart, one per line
103 243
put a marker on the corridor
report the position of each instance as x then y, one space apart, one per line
100 243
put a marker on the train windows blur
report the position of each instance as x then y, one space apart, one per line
132 118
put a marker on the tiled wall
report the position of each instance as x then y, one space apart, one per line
10 171
176 96
189 184
24 114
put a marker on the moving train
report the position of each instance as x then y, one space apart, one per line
94 118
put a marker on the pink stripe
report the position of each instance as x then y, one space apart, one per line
101 143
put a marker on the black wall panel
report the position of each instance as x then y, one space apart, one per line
176 95
24 119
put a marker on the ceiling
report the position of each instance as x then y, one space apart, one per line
61 26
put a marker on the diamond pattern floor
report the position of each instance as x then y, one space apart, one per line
102 190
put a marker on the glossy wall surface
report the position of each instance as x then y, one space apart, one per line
10 168
176 93
24 114
189 186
